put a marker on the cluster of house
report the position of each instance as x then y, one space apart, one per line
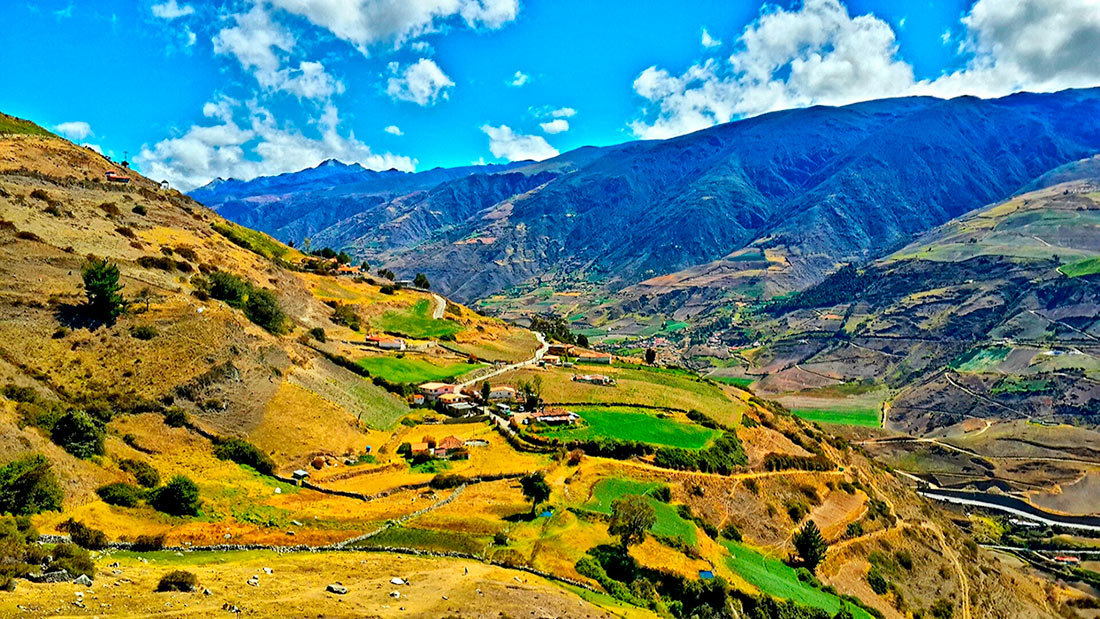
594 379
450 447
386 342
457 402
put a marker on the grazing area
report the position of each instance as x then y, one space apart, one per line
849 417
635 424
410 369
417 322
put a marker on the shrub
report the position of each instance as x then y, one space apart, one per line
84 536
662 494
263 309
876 581
318 334
500 538
175 417
345 315
73 559
575 457
143 472
243 452
121 494
78 434
148 543
179 497
730 531
178 580
28 486
388 289
227 287
446 480
143 332
139 210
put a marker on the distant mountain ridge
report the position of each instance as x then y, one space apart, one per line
814 187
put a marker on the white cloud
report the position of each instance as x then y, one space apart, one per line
558 125
74 130
367 22
261 146
171 10
422 82
945 38
190 35
819 54
504 143
256 41
564 112
394 130
519 79
709 41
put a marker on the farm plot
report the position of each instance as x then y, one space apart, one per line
417 322
415 369
634 424
669 522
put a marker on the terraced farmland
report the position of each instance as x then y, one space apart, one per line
635 424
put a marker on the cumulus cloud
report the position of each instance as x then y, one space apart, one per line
74 130
257 41
506 144
558 125
366 22
258 145
422 82
394 130
564 112
171 10
519 79
709 41
820 54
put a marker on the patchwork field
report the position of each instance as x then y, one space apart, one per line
416 322
413 369
669 522
634 424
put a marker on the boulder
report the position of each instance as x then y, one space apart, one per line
83 581
337 588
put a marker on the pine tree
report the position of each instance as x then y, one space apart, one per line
103 290
809 545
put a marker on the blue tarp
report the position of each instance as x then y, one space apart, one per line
706 574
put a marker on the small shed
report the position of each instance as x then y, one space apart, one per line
299 476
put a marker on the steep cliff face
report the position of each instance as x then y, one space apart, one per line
817 186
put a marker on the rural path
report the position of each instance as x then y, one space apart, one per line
970 452
543 347
440 306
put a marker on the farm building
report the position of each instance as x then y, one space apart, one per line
452 398
1067 560
562 350
551 360
554 416
347 270
416 399
502 392
595 357
421 448
594 379
433 391
448 445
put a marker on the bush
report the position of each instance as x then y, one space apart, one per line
243 452
148 543
662 494
143 332
28 486
722 456
730 531
84 536
143 472
139 210
388 289
443 481
120 494
175 417
877 581
227 287
73 559
179 497
78 434
500 538
263 309
317 333
178 580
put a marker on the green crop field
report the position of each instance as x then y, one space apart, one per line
413 369
669 522
981 359
633 424
1089 266
737 381
778 579
867 417
417 322
254 241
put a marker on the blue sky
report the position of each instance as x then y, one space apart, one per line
193 90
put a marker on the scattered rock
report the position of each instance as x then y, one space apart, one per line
278 491
295 523
231 608
254 581
207 592
267 570
290 532
83 581
395 595
336 588
396 581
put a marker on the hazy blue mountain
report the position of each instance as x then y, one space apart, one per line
819 185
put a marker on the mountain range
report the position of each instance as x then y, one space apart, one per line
803 190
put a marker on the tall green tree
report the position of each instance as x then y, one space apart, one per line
486 389
650 356
632 516
810 545
535 488
28 486
421 281
101 286
79 434
178 497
